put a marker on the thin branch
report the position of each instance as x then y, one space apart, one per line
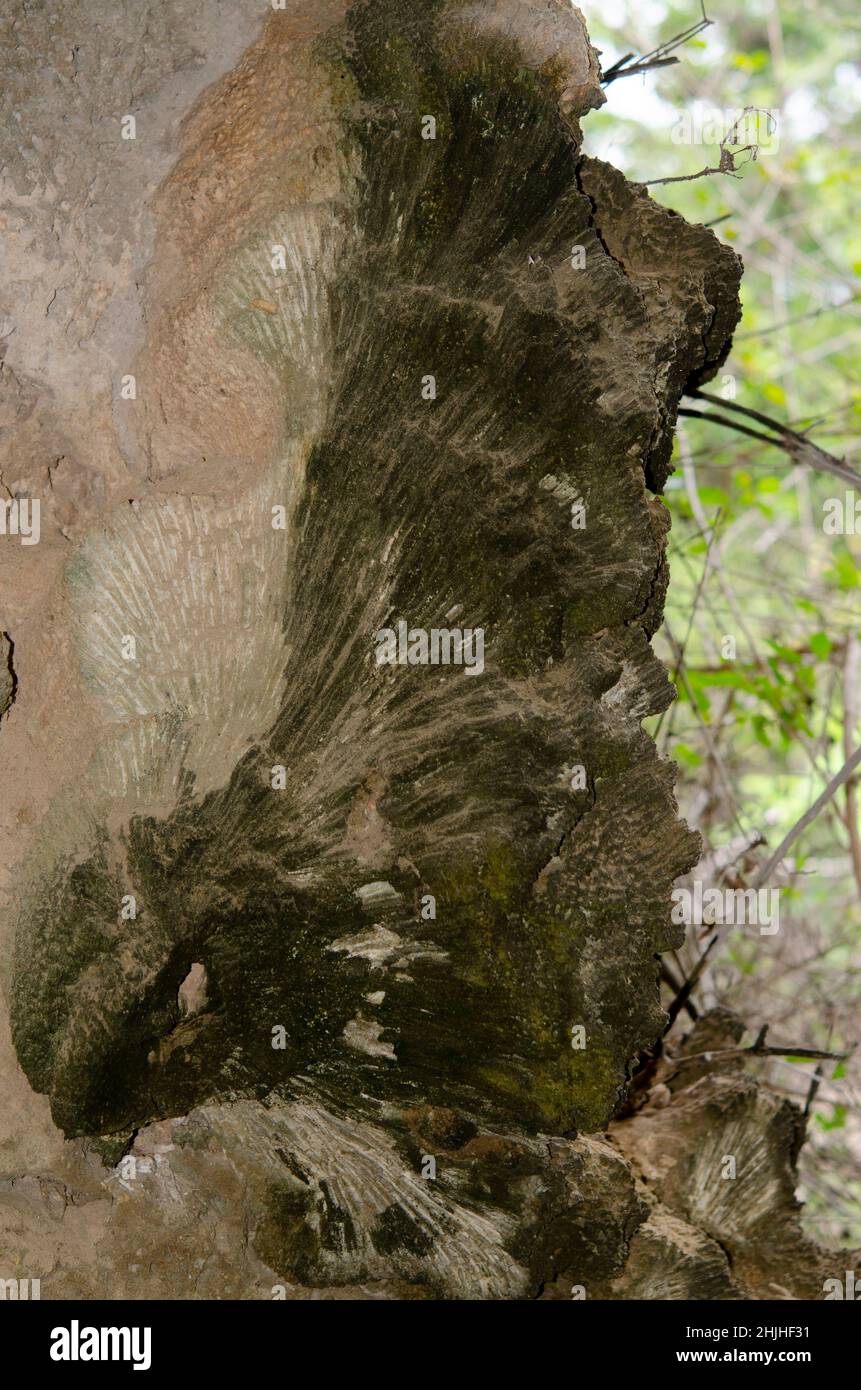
642 65
716 862
730 424
659 57
668 976
681 999
799 448
728 156
690 478
815 1083
810 1054
760 1048
851 711
797 318
714 753
692 615
764 872
727 166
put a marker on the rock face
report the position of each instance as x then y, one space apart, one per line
343 864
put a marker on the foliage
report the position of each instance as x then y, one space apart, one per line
764 720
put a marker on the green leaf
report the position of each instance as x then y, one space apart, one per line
785 653
844 573
686 755
714 496
837 1121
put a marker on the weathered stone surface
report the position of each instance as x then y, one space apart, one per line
291 1200
752 1216
295 387
7 674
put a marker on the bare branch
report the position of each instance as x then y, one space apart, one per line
659 57
799 448
681 999
760 1048
728 155
764 872
851 711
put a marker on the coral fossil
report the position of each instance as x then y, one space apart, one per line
364 949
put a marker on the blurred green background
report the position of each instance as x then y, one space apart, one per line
759 734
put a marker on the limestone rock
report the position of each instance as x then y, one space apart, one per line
333 967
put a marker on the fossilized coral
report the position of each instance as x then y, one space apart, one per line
427 900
